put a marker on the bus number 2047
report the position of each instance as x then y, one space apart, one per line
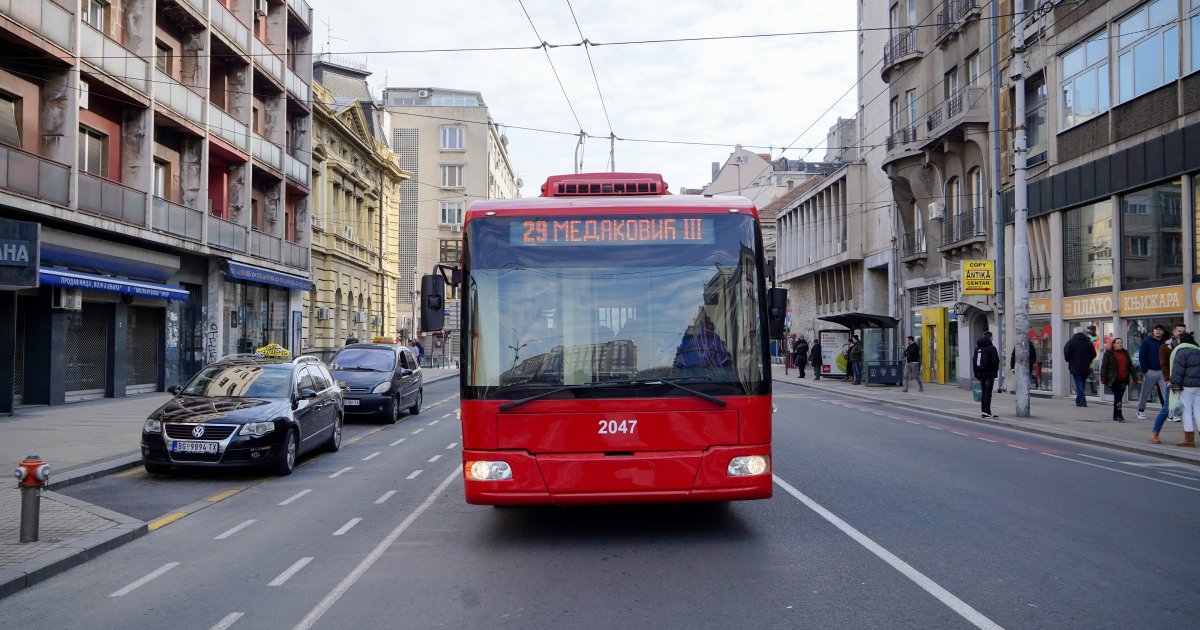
611 427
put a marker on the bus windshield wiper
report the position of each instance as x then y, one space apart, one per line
550 392
699 394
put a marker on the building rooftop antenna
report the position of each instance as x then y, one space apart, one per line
329 36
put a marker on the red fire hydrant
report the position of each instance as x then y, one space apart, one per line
32 474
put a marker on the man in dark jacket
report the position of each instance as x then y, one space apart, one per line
986 365
1032 363
800 355
1079 354
1152 379
912 363
814 357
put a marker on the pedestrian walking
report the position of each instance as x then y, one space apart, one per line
1151 369
800 355
912 363
854 354
1032 363
814 357
1164 360
1079 354
1118 373
986 367
1185 382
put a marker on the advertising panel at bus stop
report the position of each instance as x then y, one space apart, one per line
833 347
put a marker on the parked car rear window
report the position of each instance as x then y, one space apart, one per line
244 381
375 359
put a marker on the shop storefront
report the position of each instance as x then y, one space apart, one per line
1041 372
257 308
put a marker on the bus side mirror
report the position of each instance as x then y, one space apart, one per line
433 303
776 311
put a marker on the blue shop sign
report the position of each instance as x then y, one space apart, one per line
111 284
266 276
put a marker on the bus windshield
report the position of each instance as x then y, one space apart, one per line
541 315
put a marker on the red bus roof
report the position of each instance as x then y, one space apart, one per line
584 184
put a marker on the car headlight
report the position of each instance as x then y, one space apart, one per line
382 388
258 429
747 466
153 425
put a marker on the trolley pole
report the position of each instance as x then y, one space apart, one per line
1020 334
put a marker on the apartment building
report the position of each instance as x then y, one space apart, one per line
162 147
356 214
456 154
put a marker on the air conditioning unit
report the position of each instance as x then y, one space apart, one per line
423 93
260 7
359 317
456 227
937 211
67 299
322 314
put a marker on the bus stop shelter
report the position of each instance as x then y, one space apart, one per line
881 370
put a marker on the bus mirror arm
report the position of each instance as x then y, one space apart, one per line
776 312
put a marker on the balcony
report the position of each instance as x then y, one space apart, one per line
114 59
296 85
965 106
295 255
267 152
112 199
173 218
964 227
296 170
912 245
264 57
265 246
905 135
178 97
44 18
34 176
302 11
226 234
353 250
953 14
227 128
899 49
231 27
201 6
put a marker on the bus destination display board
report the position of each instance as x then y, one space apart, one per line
612 231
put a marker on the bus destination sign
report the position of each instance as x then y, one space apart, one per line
613 231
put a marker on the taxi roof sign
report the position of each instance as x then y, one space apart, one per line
273 350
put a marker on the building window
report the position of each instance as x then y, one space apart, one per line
452 212
93 152
1137 246
95 13
162 59
973 70
452 138
1152 230
976 190
950 84
1195 35
1087 247
952 203
1147 49
162 177
10 120
913 112
1085 81
1035 110
452 176
450 251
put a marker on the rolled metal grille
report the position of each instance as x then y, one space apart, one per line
87 348
142 343
19 362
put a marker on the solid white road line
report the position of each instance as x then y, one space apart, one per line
1124 472
963 609
228 620
339 473
386 495
323 606
414 475
295 496
349 524
452 445
417 431
434 458
1179 476
153 574
292 570
372 456
397 441
233 530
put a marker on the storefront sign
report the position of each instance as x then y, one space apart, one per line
20 253
979 277
1086 306
1152 301
266 276
1041 306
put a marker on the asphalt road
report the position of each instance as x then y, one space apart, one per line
882 518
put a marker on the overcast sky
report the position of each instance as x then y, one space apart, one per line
759 92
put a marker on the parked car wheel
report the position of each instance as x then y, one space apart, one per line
391 414
287 456
416 407
335 440
156 469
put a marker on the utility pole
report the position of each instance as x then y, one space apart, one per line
1021 207
997 198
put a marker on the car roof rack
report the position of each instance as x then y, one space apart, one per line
307 359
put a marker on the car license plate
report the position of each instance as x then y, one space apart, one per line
350 402
194 447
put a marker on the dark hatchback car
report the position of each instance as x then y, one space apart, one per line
246 410
382 380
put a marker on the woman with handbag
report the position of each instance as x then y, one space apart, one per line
1117 372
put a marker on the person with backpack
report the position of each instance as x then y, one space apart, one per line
814 357
800 355
986 366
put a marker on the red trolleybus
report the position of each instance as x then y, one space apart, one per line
614 345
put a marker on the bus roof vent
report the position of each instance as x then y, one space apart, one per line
604 185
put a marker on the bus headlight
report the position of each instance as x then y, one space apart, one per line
488 471
747 465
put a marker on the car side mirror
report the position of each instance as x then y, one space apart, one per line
174 389
406 372
307 394
342 385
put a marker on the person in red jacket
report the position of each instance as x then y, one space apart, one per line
1117 371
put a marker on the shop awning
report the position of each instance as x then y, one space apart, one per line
856 321
111 284
267 276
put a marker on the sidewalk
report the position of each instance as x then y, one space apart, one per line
80 441
1058 417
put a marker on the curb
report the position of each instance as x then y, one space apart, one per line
1083 438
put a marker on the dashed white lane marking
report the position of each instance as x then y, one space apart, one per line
418 431
452 445
987 440
339 473
1111 461
912 422
414 474
447 415
962 434
372 456
397 441
895 417
228 620
1015 446
349 524
386 495
150 576
320 609
1124 472
235 529
930 426
292 570
434 458
433 423
933 588
293 498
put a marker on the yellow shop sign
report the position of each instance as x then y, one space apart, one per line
979 277
273 350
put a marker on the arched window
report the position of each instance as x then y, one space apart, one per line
337 318
977 198
953 228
